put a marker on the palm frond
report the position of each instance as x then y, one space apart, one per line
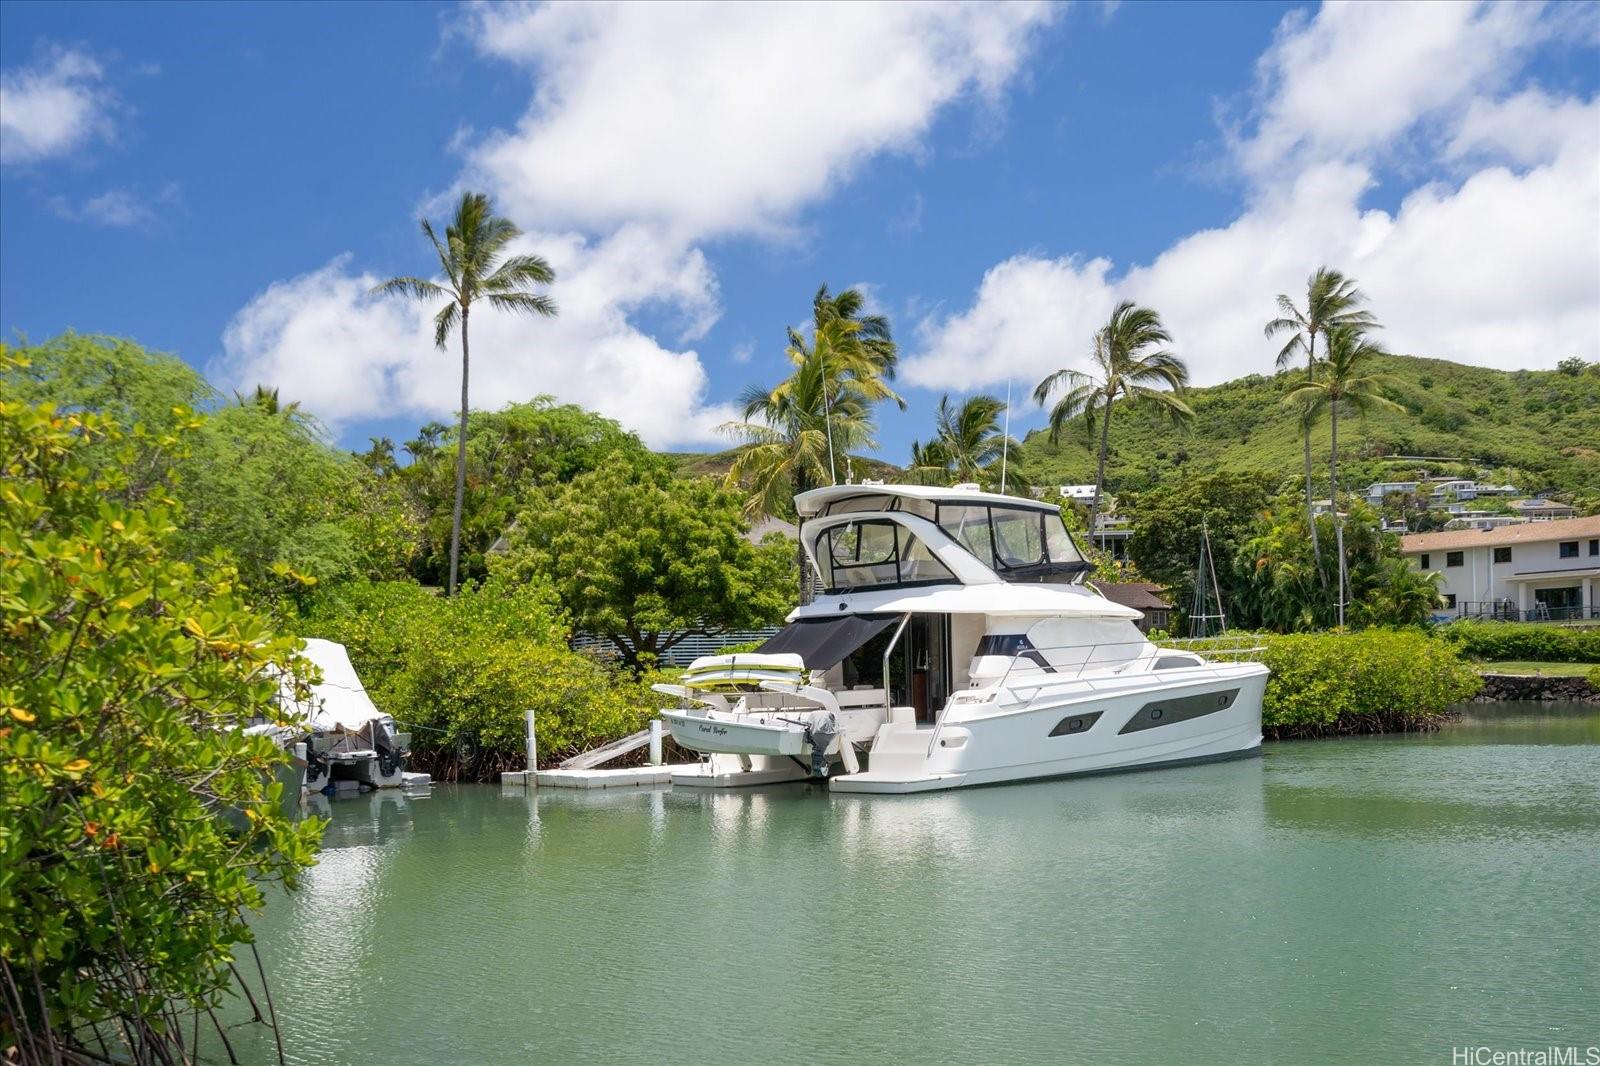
416 288
444 323
528 303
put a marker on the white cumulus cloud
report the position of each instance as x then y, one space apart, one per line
1495 262
322 339
54 107
711 118
1359 75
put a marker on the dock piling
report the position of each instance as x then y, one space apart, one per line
532 748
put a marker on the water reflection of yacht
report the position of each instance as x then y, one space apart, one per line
954 643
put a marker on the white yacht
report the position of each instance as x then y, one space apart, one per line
954 643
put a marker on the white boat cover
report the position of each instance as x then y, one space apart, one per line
340 703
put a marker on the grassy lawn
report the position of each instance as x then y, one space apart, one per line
1547 669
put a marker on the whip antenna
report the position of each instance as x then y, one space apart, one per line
827 414
1005 440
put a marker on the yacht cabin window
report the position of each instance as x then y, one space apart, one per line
1018 543
873 554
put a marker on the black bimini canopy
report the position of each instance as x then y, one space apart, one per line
825 642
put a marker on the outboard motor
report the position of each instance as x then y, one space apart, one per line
821 729
391 756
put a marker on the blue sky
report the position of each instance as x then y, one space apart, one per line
225 183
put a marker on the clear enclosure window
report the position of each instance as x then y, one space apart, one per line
874 553
968 526
1058 542
1017 537
918 563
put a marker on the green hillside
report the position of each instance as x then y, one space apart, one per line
1539 429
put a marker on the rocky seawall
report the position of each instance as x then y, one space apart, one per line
1528 687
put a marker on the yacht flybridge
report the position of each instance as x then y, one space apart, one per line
955 643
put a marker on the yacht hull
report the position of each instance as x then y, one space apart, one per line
1210 718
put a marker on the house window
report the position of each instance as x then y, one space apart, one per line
1594 546
1453 558
1424 563
1569 549
1502 555
1450 601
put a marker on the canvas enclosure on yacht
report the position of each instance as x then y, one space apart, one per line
823 643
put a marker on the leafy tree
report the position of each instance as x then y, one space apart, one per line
138 822
258 480
114 377
1128 369
509 452
476 268
1332 302
646 559
270 492
1278 589
968 445
1347 376
1167 523
1400 597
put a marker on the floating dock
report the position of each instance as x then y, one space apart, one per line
620 777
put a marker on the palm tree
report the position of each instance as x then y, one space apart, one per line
968 442
380 457
791 434
1128 369
266 399
426 443
872 331
471 258
1332 301
1347 377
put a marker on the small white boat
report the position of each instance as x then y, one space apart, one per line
955 644
349 738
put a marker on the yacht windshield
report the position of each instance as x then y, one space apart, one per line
1018 543
874 553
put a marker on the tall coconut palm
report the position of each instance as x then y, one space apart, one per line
787 446
476 267
968 443
872 331
1332 302
1128 369
1346 376
790 435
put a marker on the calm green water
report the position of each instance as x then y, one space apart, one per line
1377 899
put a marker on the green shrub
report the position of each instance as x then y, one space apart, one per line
1593 676
461 672
138 822
1522 641
1374 680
